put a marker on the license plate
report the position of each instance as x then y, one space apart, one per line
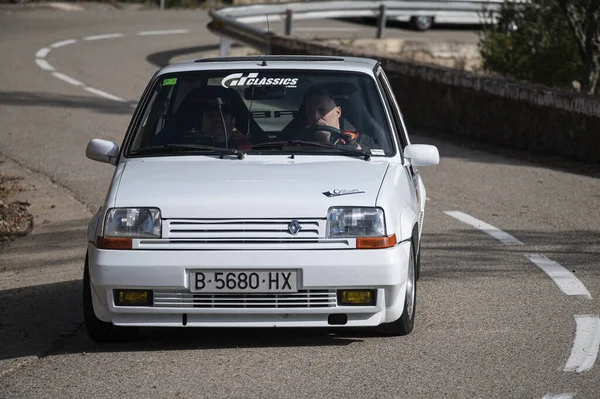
244 281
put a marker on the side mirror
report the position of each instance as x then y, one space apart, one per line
102 151
422 154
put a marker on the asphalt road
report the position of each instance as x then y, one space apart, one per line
490 323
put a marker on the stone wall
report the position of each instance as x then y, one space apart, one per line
455 55
491 109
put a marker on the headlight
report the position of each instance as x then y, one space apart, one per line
133 223
355 222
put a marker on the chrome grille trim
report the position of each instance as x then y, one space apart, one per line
240 230
300 299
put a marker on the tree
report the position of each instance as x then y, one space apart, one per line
537 41
583 17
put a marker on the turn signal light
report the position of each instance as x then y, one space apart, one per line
356 297
113 243
376 242
133 297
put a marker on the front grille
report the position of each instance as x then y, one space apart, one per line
264 230
300 299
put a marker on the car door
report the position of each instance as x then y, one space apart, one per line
403 140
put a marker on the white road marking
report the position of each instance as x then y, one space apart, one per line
163 32
63 43
104 94
487 228
564 279
45 65
324 29
558 396
102 37
42 53
66 78
585 344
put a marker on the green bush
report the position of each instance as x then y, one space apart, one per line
532 42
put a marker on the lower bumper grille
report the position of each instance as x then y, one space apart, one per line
300 299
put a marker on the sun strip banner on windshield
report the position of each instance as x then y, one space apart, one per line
238 79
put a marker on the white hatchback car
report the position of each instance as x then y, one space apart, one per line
258 192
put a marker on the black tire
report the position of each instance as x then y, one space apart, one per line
405 324
421 23
97 329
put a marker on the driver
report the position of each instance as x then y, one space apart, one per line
321 109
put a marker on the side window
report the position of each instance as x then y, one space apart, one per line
394 109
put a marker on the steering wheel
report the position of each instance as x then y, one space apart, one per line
336 134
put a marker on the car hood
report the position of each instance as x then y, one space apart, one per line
204 187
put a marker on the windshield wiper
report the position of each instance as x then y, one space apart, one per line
188 147
300 143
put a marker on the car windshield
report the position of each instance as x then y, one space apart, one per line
263 112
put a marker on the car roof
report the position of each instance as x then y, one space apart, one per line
304 62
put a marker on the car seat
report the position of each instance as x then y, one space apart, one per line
189 112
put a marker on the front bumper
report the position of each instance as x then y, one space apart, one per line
319 270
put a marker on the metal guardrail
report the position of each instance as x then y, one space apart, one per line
232 23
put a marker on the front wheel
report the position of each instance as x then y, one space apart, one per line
405 324
98 330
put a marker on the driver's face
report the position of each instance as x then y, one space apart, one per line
321 110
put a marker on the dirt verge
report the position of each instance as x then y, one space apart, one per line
15 217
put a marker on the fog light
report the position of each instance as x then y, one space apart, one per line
356 297
133 297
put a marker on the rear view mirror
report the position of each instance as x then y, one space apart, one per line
422 154
102 151
264 92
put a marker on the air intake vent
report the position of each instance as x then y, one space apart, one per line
300 299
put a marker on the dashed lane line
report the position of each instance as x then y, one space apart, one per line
558 396
63 43
103 37
487 228
104 94
585 345
563 278
163 32
587 336
66 78
45 65
43 52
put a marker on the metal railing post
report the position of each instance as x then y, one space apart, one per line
224 46
381 22
289 14
162 5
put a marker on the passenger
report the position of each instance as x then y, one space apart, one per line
212 126
321 108
207 129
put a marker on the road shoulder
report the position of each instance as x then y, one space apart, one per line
40 272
